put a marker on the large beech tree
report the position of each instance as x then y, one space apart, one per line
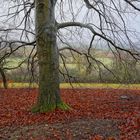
100 20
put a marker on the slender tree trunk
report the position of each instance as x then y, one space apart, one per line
49 93
3 78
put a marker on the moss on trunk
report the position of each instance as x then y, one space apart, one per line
50 107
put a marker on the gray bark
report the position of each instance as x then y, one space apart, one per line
49 93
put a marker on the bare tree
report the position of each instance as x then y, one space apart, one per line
59 22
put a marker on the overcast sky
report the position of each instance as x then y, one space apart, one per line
81 13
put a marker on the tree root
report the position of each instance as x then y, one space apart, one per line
63 106
50 107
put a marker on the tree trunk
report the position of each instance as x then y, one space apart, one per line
49 93
3 78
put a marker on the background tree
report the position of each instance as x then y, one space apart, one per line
60 22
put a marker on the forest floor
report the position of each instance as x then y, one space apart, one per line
96 114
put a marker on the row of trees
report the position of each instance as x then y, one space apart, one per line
124 70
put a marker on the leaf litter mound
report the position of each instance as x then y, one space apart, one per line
97 114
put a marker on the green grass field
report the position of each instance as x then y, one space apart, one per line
13 62
77 85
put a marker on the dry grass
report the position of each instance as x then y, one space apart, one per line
76 85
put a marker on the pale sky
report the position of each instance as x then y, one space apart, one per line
81 14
